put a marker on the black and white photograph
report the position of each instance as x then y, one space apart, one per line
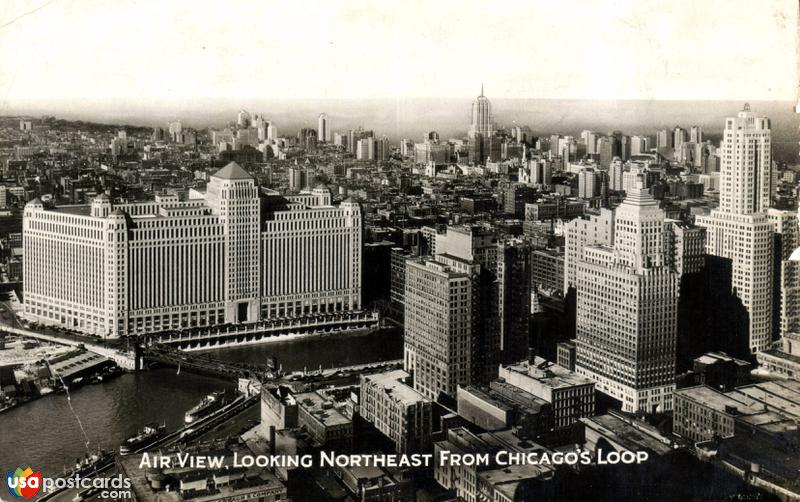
400 251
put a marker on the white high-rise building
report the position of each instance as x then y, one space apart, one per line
272 132
587 230
590 140
481 117
115 269
243 119
696 134
740 230
323 133
745 163
627 301
365 149
639 145
588 183
679 137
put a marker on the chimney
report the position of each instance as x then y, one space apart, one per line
272 440
531 356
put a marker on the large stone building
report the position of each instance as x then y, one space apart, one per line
397 410
234 254
739 231
580 232
570 394
784 359
438 327
627 299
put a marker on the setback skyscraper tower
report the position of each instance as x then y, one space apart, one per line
627 299
739 230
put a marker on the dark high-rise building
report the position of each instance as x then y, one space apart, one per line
605 147
513 298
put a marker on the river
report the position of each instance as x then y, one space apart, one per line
47 435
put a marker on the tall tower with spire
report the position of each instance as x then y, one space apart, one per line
481 117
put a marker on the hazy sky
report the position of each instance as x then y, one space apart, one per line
156 49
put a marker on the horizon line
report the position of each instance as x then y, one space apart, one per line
6 103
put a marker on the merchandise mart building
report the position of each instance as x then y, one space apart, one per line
234 254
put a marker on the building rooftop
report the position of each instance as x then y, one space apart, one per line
508 393
549 374
224 483
232 171
321 409
713 357
67 365
79 210
392 385
716 400
780 396
635 435
507 479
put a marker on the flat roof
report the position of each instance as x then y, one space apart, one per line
390 381
494 400
549 373
510 476
625 432
784 396
516 396
322 409
714 399
79 210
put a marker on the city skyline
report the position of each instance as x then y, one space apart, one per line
384 250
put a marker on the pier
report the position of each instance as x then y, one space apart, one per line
123 359
231 335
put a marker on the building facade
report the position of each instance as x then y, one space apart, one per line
739 230
580 232
323 132
438 327
627 299
232 255
571 395
397 410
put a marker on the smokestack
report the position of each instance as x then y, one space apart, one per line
531 356
272 440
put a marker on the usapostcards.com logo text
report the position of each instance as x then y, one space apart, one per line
27 483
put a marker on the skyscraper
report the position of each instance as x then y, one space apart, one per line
590 139
365 149
664 139
746 160
679 137
323 133
639 145
581 232
232 255
243 119
513 298
481 117
627 298
438 327
473 249
588 183
696 134
605 147
739 231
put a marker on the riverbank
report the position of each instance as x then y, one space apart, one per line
47 435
